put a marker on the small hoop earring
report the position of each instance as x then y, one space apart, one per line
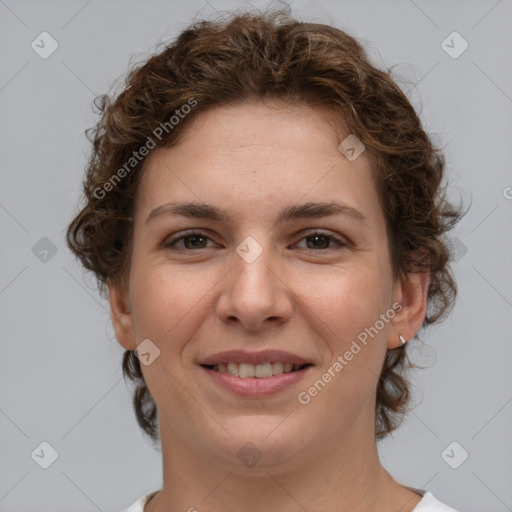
402 339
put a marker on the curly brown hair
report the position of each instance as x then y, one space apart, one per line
269 56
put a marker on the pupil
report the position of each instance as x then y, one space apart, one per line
316 237
195 237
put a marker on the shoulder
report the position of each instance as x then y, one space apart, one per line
431 504
138 506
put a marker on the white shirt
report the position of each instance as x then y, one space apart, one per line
427 504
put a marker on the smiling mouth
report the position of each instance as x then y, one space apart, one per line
256 371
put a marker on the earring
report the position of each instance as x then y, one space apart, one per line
402 339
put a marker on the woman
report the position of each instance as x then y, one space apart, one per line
266 214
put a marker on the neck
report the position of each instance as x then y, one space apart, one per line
333 475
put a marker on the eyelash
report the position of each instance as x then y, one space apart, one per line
189 234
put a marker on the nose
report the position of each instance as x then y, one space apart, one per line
256 293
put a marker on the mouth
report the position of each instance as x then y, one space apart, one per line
255 381
256 371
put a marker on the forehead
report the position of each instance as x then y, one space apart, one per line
265 130
255 154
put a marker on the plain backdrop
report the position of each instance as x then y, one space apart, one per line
60 376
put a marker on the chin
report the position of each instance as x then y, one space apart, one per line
258 443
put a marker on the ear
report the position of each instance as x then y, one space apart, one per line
121 315
411 292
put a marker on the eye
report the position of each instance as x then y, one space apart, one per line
197 240
191 240
321 241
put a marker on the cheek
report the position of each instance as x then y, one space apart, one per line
348 300
169 302
169 307
350 304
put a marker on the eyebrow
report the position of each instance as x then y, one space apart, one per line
297 211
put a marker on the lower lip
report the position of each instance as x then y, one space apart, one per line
254 387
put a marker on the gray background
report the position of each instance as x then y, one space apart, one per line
60 376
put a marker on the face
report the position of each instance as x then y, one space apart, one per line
308 283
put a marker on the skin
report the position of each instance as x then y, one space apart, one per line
252 160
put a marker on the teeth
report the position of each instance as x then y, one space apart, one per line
260 371
246 370
277 368
232 369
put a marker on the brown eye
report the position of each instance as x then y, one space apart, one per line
318 241
322 241
196 241
191 241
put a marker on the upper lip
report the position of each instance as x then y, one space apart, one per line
264 356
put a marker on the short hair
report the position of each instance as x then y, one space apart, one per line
269 56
